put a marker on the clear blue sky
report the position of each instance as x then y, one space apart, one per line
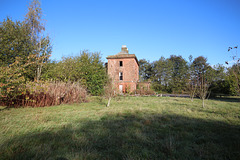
150 29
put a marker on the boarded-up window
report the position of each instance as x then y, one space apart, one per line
120 76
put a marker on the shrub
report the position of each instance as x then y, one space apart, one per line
48 94
143 91
87 68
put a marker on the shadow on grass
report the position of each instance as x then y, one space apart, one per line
4 108
130 136
227 99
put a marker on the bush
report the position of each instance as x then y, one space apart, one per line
47 94
220 88
86 68
143 91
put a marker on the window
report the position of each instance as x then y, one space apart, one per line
120 76
120 63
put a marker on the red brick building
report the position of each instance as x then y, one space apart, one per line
123 68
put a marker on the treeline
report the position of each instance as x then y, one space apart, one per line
176 75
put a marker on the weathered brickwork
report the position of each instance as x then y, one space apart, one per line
128 69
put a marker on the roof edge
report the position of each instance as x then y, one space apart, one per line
123 56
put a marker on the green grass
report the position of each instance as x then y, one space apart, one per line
131 128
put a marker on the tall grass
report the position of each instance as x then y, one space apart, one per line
48 94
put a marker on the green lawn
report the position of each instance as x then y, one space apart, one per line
131 128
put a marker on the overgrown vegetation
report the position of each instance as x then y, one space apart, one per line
131 128
46 94
24 60
87 68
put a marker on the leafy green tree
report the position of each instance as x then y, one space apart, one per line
234 71
220 85
145 69
91 72
170 75
178 72
220 88
14 42
161 74
233 76
86 68
12 80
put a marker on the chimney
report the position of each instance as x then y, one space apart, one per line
124 49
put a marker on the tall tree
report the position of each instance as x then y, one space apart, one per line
179 74
42 45
14 42
161 75
235 69
34 21
145 69
191 84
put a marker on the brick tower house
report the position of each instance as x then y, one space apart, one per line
123 68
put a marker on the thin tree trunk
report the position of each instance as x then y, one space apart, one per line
192 99
209 94
203 103
109 100
40 64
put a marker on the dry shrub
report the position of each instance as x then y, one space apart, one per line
109 91
143 91
49 94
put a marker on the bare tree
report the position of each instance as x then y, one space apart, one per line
203 77
109 91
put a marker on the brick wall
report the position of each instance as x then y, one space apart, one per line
130 72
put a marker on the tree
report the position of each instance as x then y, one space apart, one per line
86 68
191 84
235 69
14 42
203 76
178 72
12 80
22 39
220 85
92 71
161 74
220 88
233 78
170 75
42 45
109 90
145 69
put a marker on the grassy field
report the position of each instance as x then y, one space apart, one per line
131 128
